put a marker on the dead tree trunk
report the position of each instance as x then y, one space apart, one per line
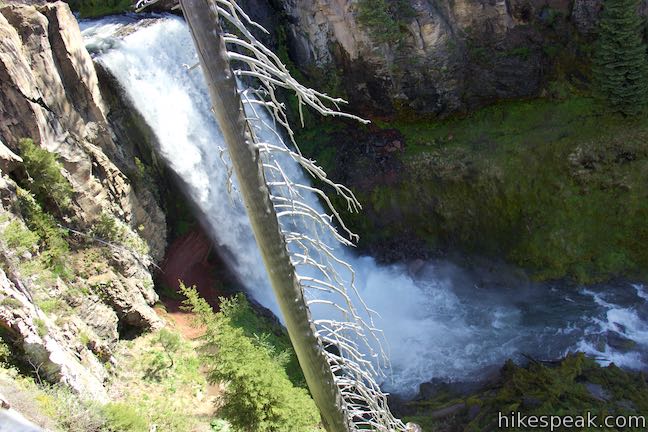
202 17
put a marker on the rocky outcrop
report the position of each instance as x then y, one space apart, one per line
43 344
107 297
49 92
65 324
434 56
131 307
8 159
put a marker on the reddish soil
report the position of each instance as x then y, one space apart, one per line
188 260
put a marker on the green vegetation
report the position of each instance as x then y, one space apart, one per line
57 408
170 399
574 386
5 353
41 326
46 181
122 417
66 410
108 228
555 187
97 8
172 403
51 305
54 247
385 18
11 302
266 333
620 63
163 361
259 395
17 237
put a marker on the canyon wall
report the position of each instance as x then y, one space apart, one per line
65 321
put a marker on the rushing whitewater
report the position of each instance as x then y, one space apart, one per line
440 321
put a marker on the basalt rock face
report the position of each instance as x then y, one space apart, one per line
49 351
65 324
442 55
49 92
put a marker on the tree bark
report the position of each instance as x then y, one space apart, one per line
202 17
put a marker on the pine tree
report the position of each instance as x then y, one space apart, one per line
342 381
620 63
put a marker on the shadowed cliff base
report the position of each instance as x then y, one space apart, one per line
554 185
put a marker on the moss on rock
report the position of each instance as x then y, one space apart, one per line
556 187
574 386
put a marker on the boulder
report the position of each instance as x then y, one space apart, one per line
99 317
43 344
619 342
8 159
131 307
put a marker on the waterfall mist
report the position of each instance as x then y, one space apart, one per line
440 322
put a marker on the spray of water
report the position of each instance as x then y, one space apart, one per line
440 322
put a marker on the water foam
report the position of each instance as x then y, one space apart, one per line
439 322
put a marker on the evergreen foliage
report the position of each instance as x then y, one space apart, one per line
19 238
620 64
258 396
54 246
47 183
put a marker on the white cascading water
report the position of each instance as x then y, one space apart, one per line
441 323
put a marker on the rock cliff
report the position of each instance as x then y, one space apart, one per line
434 56
64 321
50 94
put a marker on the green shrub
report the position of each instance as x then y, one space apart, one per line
41 327
385 18
170 342
121 417
51 305
161 362
5 353
84 338
11 302
47 183
69 411
19 238
108 228
258 396
141 170
220 425
265 333
55 248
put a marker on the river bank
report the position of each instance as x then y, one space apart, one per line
553 185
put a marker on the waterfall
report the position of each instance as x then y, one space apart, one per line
439 323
